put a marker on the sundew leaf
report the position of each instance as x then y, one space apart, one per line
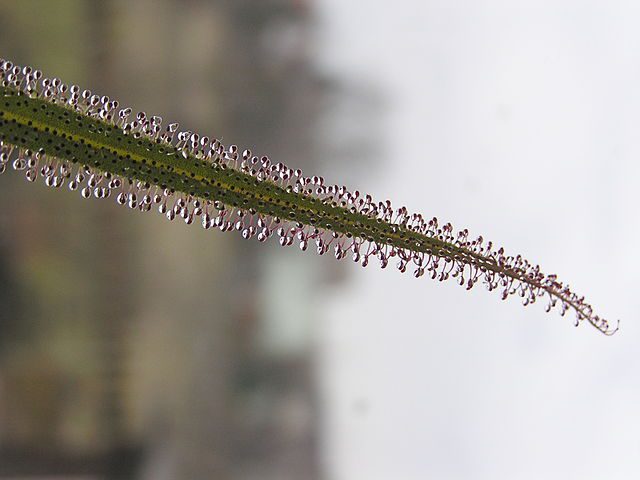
66 135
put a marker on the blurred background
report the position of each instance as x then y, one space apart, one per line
136 348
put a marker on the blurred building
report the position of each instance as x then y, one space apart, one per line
135 348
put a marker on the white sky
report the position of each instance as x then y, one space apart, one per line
520 121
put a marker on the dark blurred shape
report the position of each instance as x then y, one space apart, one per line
131 347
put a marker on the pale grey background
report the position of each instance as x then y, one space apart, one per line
519 121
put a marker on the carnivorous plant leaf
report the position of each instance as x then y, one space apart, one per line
70 136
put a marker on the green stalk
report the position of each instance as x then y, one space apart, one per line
54 129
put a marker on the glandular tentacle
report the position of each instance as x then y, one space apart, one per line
67 135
